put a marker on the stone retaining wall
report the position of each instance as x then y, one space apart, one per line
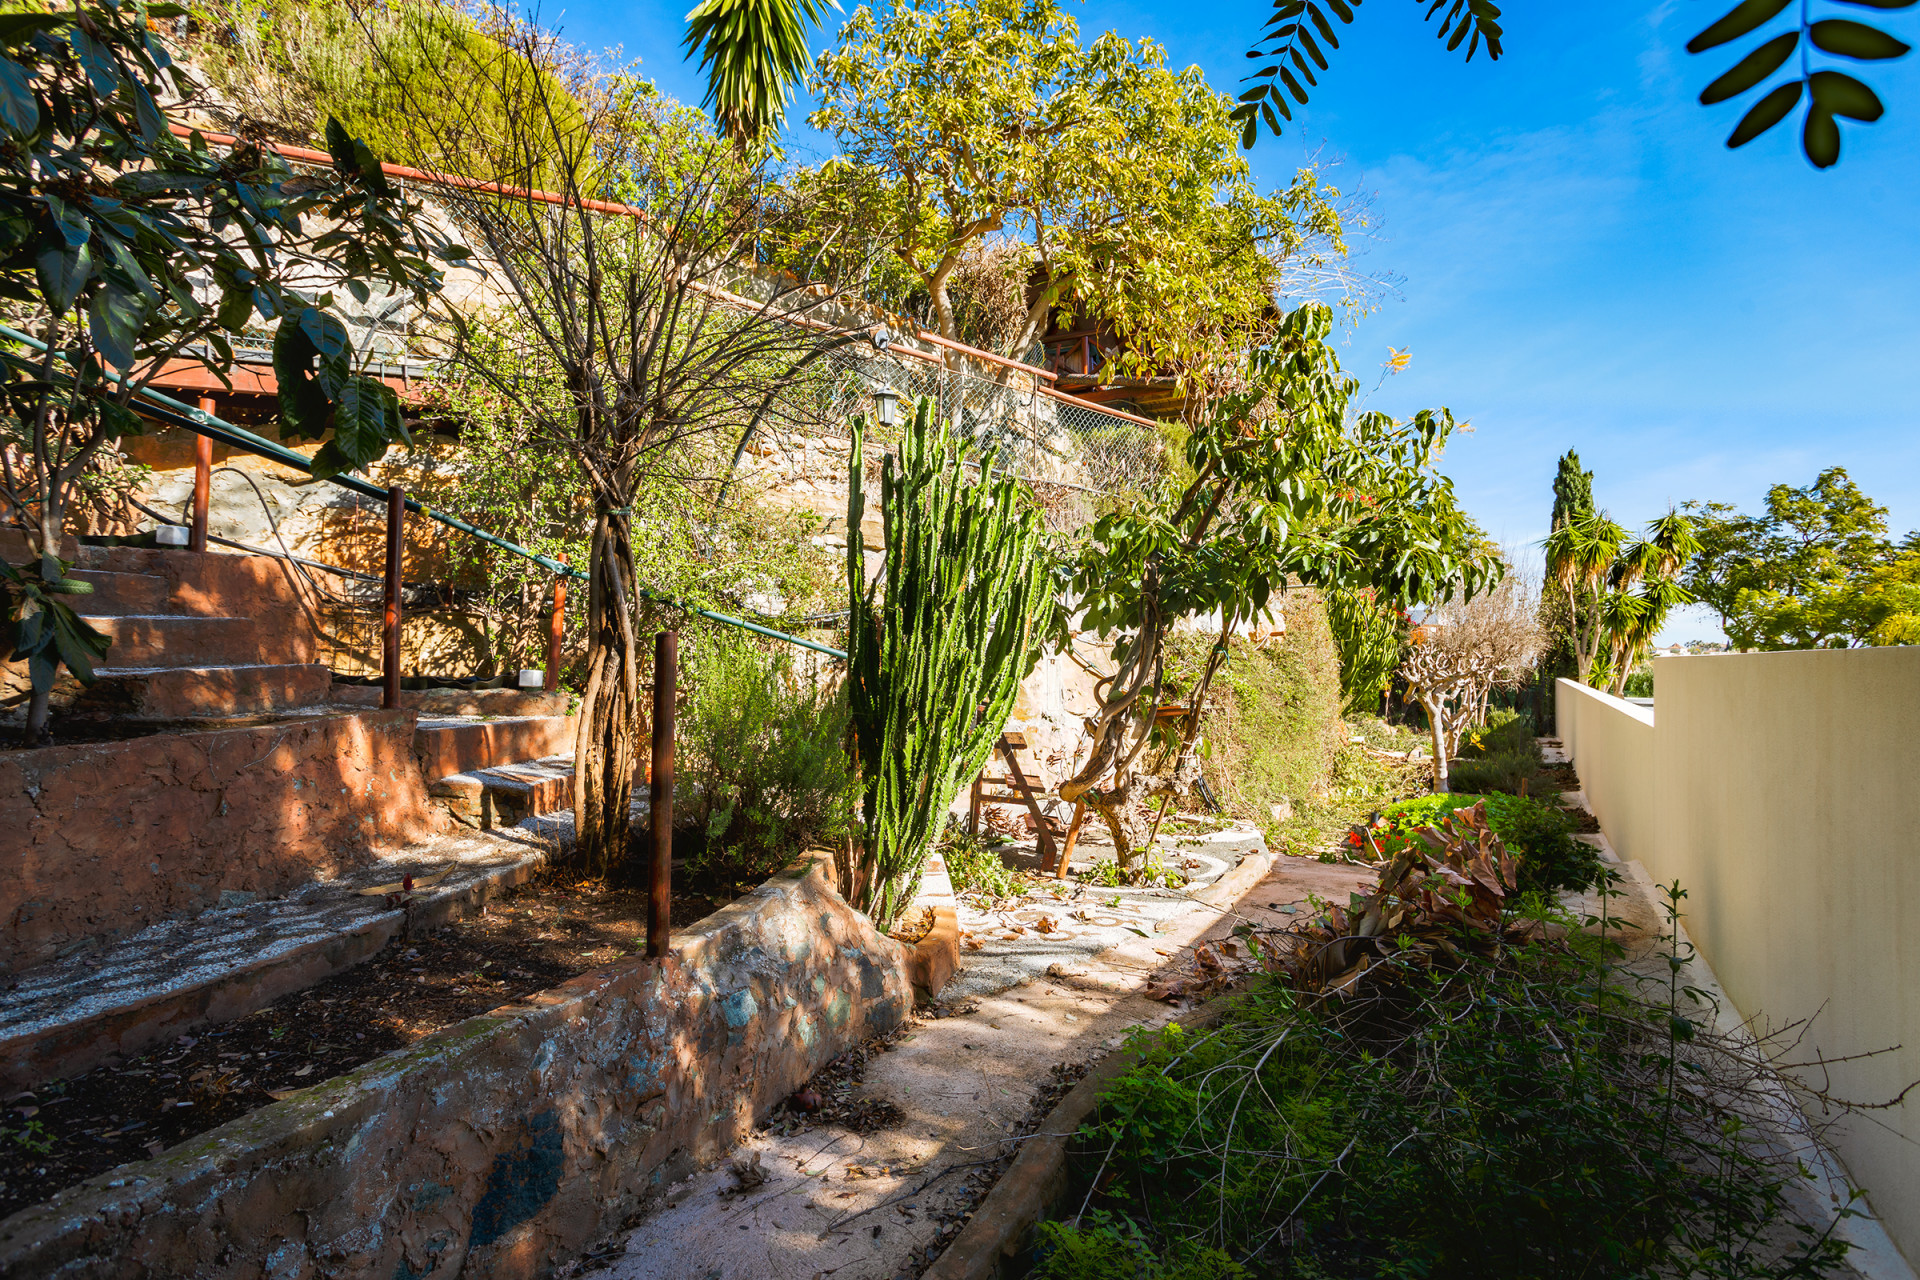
505 1145
105 839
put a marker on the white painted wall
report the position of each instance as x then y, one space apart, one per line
1782 791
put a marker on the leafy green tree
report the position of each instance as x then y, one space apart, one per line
1289 485
126 248
938 644
969 120
1814 570
752 52
1618 591
1294 43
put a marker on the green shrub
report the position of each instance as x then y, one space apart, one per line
974 868
1540 835
764 770
1508 1119
1110 1247
1504 732
1148 873
1273 723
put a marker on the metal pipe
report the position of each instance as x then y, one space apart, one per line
390 624
666 675
202 482
556 632
188 418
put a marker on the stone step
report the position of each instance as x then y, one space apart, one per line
438 703
448 745
93 1006
169 640
122 593
166 693
507 795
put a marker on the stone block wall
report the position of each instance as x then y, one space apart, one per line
104 839
504 1146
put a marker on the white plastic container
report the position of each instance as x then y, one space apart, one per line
533 679
172 535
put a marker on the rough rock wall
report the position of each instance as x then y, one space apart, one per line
505 1145
105 839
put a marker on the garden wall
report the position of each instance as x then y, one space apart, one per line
1783 799
503 1146
105 839
1612 742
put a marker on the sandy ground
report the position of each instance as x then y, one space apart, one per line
871 1207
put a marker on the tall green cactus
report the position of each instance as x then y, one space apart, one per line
934 665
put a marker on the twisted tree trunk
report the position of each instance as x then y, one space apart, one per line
603 751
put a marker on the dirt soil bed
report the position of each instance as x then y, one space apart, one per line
530 938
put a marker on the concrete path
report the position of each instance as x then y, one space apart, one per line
880 1205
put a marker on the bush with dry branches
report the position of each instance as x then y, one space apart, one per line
1465 649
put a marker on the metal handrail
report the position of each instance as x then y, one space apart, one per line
177 413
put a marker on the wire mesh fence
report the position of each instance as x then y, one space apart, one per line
1071 453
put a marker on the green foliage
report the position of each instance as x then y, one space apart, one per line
1270 731
973 867
1108 1246
1639 685
42 629
1814 570
1828 93
1116 173
131 248
752 52
766 773
1370 639
1617 592
1538 833
1149 873
1292 54
1515 1116
938 645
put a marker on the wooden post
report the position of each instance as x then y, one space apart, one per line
202 483
556 631
1073 837
390 624
1042 836
666 674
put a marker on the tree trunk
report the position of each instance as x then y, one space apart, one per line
1436 722
604 748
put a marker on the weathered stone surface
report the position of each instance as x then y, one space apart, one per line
504 1145
458 702
164 693
105 839
452 745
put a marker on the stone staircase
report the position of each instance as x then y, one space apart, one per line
219 861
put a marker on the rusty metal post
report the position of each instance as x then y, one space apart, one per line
202 483
556 632
390 625
666 675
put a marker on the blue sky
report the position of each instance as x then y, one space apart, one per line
1579 261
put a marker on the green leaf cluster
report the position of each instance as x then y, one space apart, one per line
1829 95
1814 570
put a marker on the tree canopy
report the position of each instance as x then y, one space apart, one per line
1118 174
1814 570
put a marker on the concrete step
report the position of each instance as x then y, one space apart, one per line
449 744
167 693
67 1016
168 640
122 593
507 795
441 703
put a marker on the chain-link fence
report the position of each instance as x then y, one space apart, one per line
1072 453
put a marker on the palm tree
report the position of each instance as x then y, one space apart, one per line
753 52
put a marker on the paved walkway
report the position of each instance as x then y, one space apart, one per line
880 1205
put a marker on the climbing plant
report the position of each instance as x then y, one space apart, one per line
938 643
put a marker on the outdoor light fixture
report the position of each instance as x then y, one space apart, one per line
886 406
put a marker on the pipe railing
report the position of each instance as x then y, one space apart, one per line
164 409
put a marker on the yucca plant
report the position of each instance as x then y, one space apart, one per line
938 643
753 52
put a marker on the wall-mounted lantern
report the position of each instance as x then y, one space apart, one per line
886 406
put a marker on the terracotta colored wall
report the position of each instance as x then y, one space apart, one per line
503 1146
101 840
